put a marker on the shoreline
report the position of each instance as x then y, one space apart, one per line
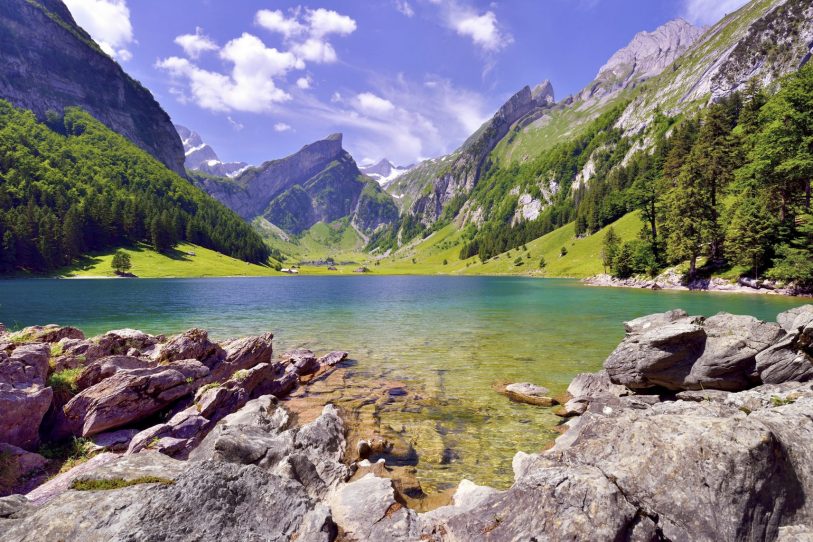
637 438
714 285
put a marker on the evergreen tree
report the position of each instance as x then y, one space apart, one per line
609 248
749 233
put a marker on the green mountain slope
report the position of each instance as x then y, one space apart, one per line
74 186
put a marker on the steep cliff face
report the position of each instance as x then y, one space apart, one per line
48 63
433 184
320 183
762 41
200 156
647 55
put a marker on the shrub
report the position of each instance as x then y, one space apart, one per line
117 483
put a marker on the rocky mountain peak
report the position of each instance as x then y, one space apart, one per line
647 55
384 171
543 92
202 157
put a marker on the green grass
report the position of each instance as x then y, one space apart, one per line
583 258
117 483
69 454
65 381
185 260
337 240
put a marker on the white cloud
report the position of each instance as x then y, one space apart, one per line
323 22
276 21
404 7
257 71
483 29
282 127
197 43
369 103
306 30
249 87
710 11
108 23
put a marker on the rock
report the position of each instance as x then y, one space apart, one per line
677 352
20 471
174 438
525 392
131 395
575 407
47 334
24 399
263 379
754 481
239 503
467 497
302 360
594 385
552 502
333 358
106 367
120 341
133 467
61 483
113 441
366 509
242 354
795 319
191 344
13 506
789 360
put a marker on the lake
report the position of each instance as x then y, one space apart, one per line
451 338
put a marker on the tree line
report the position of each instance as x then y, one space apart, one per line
69 186
729 187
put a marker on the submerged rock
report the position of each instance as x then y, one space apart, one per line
525 392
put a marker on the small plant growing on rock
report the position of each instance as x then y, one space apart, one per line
70 454
240 375
65 381
781 401
116 483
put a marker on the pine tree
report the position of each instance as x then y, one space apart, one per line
609 248
749 233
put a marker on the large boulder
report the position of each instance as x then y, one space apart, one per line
796 319
24 397
20 470
242 354
677 352
106 367
191 344
122 341
131 395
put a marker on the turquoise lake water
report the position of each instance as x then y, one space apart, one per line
452 338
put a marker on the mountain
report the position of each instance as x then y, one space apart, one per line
319 183
538 155
431 185
384 171
647 55
48 63
201 157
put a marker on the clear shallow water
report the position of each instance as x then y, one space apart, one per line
449 338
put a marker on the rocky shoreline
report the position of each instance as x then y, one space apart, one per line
696 429
671 280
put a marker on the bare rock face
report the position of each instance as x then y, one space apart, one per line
24 397
50 63
242 354
647 55
131 395
724 352
106 367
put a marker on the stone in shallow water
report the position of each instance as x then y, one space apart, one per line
525 392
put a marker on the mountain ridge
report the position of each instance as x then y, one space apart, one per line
41 51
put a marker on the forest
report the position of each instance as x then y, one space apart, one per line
70 186
726 187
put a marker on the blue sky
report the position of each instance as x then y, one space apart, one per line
405 79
